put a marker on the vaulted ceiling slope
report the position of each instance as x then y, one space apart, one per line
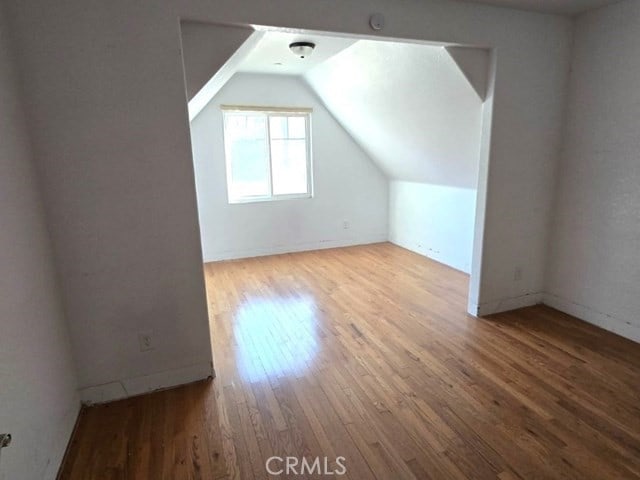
409 106
414 109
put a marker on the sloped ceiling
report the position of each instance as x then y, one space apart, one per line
272 55
414 109
409 106
246 50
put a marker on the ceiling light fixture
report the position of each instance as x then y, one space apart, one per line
302 49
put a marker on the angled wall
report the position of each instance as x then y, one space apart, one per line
409 106
203 45
38 389
474 63
347 184
594 266
211 54
418 116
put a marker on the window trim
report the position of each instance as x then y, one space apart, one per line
269 112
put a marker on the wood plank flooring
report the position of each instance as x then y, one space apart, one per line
367 353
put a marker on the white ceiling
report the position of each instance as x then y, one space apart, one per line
272 54
564 7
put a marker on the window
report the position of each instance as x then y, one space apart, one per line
267 153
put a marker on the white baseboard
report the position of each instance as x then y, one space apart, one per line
130 387
437 256
589 315
505 304
298 247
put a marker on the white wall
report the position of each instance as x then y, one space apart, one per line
107 103
112 151
594 265
417 116
433 220
38 391
347 184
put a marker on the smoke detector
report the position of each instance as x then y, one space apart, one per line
302 49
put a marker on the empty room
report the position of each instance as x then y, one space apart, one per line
362 239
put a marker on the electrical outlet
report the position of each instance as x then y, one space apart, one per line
517 274
145 339
346 224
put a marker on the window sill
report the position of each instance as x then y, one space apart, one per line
277 198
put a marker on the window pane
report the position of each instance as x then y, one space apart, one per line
247 155
289 164
297 127
278 127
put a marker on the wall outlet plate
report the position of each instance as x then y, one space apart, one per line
517 274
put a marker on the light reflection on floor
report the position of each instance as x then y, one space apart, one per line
275 337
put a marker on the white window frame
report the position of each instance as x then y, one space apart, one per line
269 112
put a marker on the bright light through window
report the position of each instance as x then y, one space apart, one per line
267 154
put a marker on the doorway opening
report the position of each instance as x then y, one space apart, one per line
341 203
353 141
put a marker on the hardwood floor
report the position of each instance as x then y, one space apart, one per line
367 353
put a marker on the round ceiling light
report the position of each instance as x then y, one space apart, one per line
302 49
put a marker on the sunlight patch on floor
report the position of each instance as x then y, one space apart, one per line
275 337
